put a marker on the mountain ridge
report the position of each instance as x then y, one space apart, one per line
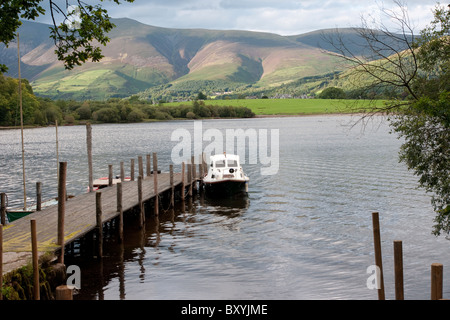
156 62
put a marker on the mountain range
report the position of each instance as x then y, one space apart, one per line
154 62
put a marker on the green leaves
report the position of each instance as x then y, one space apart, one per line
82 26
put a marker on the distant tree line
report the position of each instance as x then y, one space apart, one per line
43 111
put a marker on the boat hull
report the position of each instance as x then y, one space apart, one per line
225 188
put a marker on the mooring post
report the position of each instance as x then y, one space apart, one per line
183 169
89 154
3 209
110 175
378 256
98 216
398 270
38 196
61 206
141 204
132 169
155 183
200 171
122 172
172 188
120 210
1 261
194 175
189 178
148 164
63 292
35 257
141 166
437 271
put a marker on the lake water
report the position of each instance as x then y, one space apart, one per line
302 233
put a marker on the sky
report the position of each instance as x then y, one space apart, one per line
284 17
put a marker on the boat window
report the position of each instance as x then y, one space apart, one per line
232 163
220 164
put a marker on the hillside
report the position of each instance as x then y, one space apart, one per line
155 62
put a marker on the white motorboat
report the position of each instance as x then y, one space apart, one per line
225 176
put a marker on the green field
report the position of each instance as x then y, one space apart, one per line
293 106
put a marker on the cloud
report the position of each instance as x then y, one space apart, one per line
285 17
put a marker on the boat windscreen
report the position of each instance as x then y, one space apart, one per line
232 163
220 164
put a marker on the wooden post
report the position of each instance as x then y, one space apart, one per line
34 250
155 184
132 170
120 210
183 169
3 209
89 154
172 188
148 165
63 292
38 196
141 166
61 206
141 204
194 175
189 170
398 269
200 171
437 271
110 175
98 215
1 260
378 256
122 171
155 163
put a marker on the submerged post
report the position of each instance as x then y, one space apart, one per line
61 206
398 269
35 257
378 256
63 292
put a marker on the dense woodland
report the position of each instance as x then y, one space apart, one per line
43 111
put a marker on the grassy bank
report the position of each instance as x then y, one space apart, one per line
293 106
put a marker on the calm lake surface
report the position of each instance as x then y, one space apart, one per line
302 233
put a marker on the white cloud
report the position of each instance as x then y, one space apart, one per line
284 17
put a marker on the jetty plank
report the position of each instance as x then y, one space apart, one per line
80 216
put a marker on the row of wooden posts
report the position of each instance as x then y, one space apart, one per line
63 292
437 269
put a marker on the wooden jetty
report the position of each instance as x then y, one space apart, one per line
84 213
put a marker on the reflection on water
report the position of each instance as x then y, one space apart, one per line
303 233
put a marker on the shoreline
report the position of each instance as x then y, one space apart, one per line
281 115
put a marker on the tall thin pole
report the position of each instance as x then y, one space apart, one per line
57 151
89 154
21 129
